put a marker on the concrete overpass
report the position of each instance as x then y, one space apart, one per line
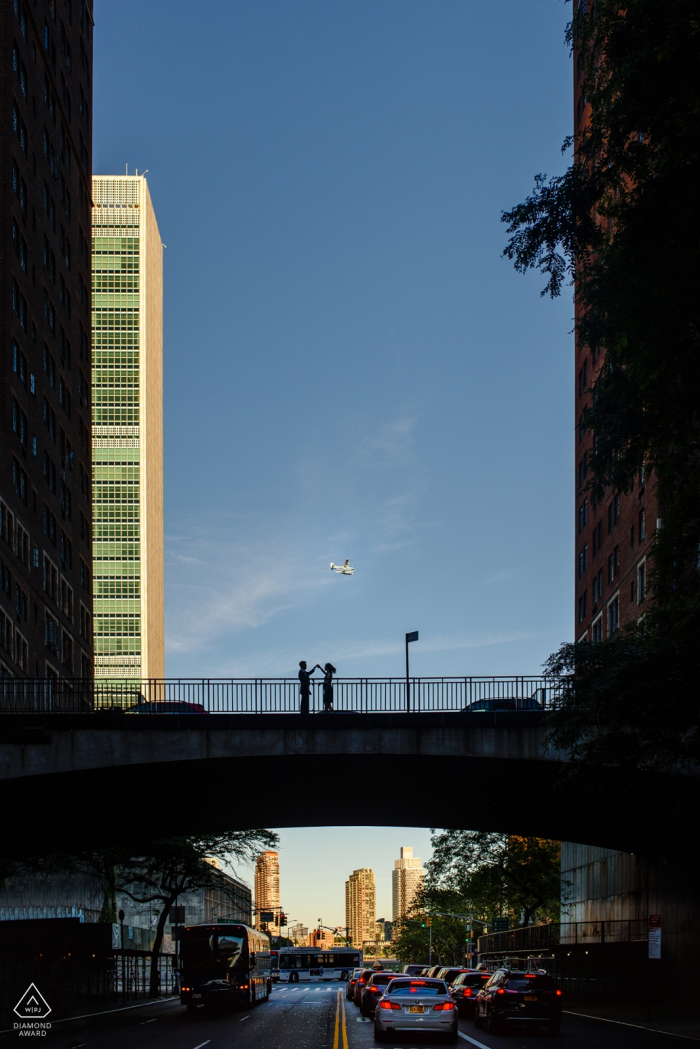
75 781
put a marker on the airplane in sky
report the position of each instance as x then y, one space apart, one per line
343 569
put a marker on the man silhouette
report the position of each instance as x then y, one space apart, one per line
305 686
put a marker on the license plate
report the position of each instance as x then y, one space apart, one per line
530 997
416 1009
196 996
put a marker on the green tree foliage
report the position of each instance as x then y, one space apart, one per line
482 875
623 221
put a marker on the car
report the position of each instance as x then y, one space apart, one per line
415 1005
512 997
374 989
165 707
350 989
360 985
503 703
413 970
449 975
465 988
433 970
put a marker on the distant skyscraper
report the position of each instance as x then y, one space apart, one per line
127 433
299 935
360 906
406 878
267 891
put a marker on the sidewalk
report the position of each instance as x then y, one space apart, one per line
683 1022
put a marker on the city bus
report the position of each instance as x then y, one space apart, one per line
223 963
305 963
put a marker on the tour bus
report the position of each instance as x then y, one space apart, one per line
223 963
305 963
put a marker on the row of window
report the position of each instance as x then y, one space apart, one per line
638 593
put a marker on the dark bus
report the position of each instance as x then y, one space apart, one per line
223 963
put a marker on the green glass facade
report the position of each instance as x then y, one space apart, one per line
116 452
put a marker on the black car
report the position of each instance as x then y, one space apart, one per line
433 971
413 970
465 988
449 975
373 990
512 997
361 984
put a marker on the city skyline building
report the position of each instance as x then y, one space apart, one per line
299 935
406 879
127 436
45 455
360 897
267 891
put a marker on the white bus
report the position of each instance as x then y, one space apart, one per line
304 963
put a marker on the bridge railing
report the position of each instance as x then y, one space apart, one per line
536 938
277 695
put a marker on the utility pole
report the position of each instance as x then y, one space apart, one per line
413 636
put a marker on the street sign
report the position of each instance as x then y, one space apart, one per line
499 925
654 935
266 916
413 636
177 915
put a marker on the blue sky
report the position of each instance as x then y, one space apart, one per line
351 369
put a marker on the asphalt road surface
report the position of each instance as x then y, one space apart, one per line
311 1016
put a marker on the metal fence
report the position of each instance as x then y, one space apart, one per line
277 695
538 938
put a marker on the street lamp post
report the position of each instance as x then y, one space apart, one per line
413 636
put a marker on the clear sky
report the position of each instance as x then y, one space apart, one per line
351 369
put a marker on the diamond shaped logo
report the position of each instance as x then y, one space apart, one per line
32 1005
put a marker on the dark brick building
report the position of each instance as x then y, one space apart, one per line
613 537
45 372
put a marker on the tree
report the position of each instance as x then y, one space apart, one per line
160 872
498 874
623 224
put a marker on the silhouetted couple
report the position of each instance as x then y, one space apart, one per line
305 685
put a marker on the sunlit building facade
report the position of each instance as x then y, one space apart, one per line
406 879
360 895
267 892
127 433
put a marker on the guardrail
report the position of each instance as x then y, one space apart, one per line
277 695
537 938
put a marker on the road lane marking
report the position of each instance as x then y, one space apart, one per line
151 1021
621 1023
472 1040
345 1026
241 1020
202 1044
337 1022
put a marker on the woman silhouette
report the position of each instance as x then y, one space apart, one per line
328 686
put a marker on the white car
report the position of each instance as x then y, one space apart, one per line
413 1005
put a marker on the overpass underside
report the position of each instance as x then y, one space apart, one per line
73 782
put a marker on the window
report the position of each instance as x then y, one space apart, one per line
50 419
64 397
49 312
19 422
51 633
65 500
83 390
66 549
613 513
85 623
583 470
641 581
19 305
597 586
20 481
66 650
49 261
49 525
22 544
50 472
583 378
21 651
583 560
84 575
613 615
583 515
582 606
19 363
84 527
65 598
50 578
642 525
597 537
20 603
49 367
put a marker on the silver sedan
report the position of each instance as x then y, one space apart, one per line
416 1005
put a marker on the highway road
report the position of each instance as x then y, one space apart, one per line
310 1016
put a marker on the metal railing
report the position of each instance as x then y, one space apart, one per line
277 695
537 938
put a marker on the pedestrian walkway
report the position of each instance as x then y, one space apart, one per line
683 1022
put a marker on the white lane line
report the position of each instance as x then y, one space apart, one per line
621 1023
152 1021
202 1044
472 1040
242 1019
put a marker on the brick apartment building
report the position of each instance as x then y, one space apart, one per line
45 376
612 537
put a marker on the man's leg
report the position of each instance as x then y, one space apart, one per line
304 705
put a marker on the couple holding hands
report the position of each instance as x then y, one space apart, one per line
305 685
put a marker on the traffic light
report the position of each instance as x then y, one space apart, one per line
283 918
429 921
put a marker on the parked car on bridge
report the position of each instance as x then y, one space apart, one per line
373 990
512 997
502 703
360 985
165 707
466 987
415 1005
350 989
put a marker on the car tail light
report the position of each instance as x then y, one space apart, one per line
443 1007
467 992
500 991
389 1005
558 994
376 990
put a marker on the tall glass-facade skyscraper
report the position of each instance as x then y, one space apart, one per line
127 433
